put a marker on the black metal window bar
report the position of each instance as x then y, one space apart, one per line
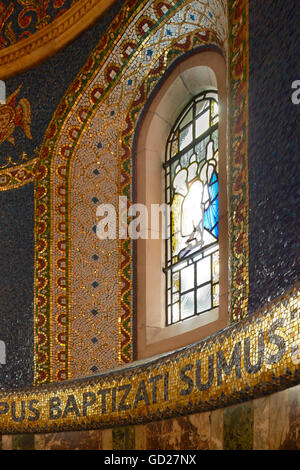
192 277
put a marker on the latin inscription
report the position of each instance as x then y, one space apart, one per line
203 374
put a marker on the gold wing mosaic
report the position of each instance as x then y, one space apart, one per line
14 114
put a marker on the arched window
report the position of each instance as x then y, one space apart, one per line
191 181
181 156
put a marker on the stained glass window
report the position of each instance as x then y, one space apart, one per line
192 192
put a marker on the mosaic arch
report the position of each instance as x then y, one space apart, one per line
83 286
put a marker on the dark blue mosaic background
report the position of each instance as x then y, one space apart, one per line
45 85
274 148
16 299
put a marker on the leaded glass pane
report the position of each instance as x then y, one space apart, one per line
202 123
185 137
214 137
214 112
203 271
215 267
187 118
204 298
187 305
192 190
175 313
174 147
187 278
175 282
201 106
215 295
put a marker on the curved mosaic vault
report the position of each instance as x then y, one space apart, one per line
32 31
21 19
87 161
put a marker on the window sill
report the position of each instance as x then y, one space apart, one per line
154 334
158 340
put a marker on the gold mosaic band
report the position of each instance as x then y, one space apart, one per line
238 71
49 40
254 357
16 176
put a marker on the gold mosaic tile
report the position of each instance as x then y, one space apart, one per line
214 373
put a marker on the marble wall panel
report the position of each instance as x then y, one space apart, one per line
80 440
238 427
268 423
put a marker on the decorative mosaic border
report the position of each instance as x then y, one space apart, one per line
45 336
238 164
18 175
22 19
254 357
43 230
26 173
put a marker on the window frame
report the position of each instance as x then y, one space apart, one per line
164 106
170 265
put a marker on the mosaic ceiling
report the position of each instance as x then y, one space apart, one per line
19 19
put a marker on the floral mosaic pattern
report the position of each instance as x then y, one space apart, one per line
18 175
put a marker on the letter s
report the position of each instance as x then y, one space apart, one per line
278 340
296 94
31 407
186 379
